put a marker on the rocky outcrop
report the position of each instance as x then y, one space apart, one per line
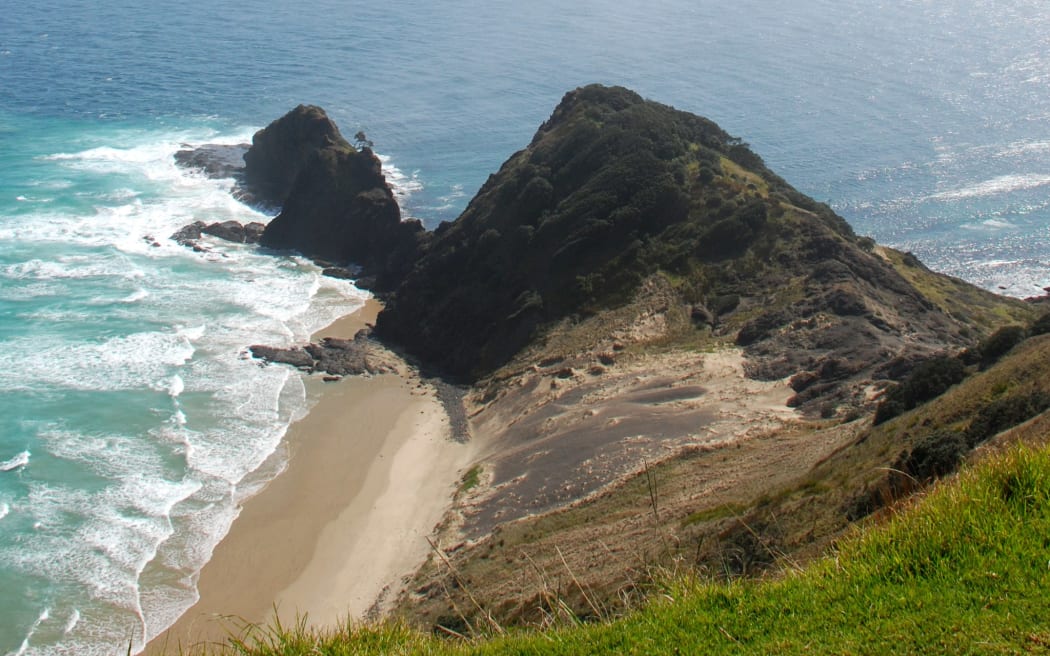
281 150
214 160
248 233
336 203
222 161
336 357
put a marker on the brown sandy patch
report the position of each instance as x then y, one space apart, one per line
559 435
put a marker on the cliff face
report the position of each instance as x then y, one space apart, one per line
336 204
614 189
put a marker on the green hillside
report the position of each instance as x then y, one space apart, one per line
961 569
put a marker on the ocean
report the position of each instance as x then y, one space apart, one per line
132 422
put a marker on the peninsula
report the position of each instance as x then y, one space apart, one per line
666 358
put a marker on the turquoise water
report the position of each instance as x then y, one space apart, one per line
131 422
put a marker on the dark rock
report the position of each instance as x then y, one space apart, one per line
235 232
831 271
336 357
336 202
228 230
367 283
189 234
723 304
339 272
280 151
701 316
844 303
214 160
565 372
761 327
253 232
803 380
295 356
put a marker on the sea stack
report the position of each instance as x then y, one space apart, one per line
336 203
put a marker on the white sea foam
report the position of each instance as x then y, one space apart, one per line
136 361
989 224
135 296
176 387
43 617
159 501
73 267
1000 185
403 185
71 623
5 509
155 198
1025 148
20 460
194 333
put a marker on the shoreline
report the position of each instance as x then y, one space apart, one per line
371 470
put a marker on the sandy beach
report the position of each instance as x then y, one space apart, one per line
371 471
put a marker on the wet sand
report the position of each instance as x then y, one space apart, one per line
372 470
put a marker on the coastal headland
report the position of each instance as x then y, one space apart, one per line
670 358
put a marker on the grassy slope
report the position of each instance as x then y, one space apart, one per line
980 309
963 569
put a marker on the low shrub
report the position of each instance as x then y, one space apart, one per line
927 380
999 344
1004 413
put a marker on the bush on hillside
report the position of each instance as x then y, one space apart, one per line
1041 326
1004 413
926 381
999 344
936 455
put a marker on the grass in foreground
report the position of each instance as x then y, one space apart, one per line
964 569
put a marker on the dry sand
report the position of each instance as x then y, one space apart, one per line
372 470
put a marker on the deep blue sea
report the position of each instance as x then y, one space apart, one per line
131 422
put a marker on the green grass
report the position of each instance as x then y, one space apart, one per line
470 479
718 512
964 569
